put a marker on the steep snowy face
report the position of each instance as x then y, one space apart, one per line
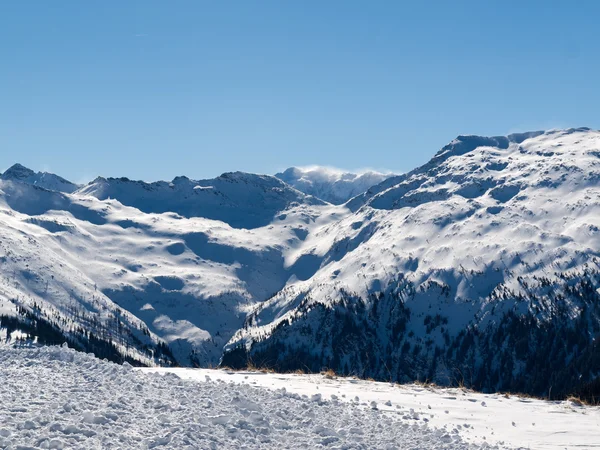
465 265
44 180
332 185
239 199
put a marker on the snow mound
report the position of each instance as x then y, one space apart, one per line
54 397
332 185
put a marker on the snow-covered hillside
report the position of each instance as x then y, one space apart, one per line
332 185
183 281
480 267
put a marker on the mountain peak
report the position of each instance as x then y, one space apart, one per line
45 180
490 242
17 172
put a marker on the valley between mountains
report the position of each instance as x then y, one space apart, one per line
481 267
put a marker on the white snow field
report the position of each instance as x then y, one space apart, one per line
479 419
57 398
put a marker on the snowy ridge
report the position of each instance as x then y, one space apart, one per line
41 179
239 199
458 147
332 185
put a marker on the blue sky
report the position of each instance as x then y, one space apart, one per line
155 89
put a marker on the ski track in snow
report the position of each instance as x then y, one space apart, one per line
55 397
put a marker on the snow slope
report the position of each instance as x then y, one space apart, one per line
495 419
57 398
332 185
456 272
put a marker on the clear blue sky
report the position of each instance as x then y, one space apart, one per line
154 89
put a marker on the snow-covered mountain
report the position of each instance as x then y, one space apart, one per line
45 180
332 185
481 267
162 278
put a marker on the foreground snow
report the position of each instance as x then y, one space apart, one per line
478 419
54 397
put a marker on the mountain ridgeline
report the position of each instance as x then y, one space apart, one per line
481 267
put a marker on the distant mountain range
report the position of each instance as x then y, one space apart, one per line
481 267
332 185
